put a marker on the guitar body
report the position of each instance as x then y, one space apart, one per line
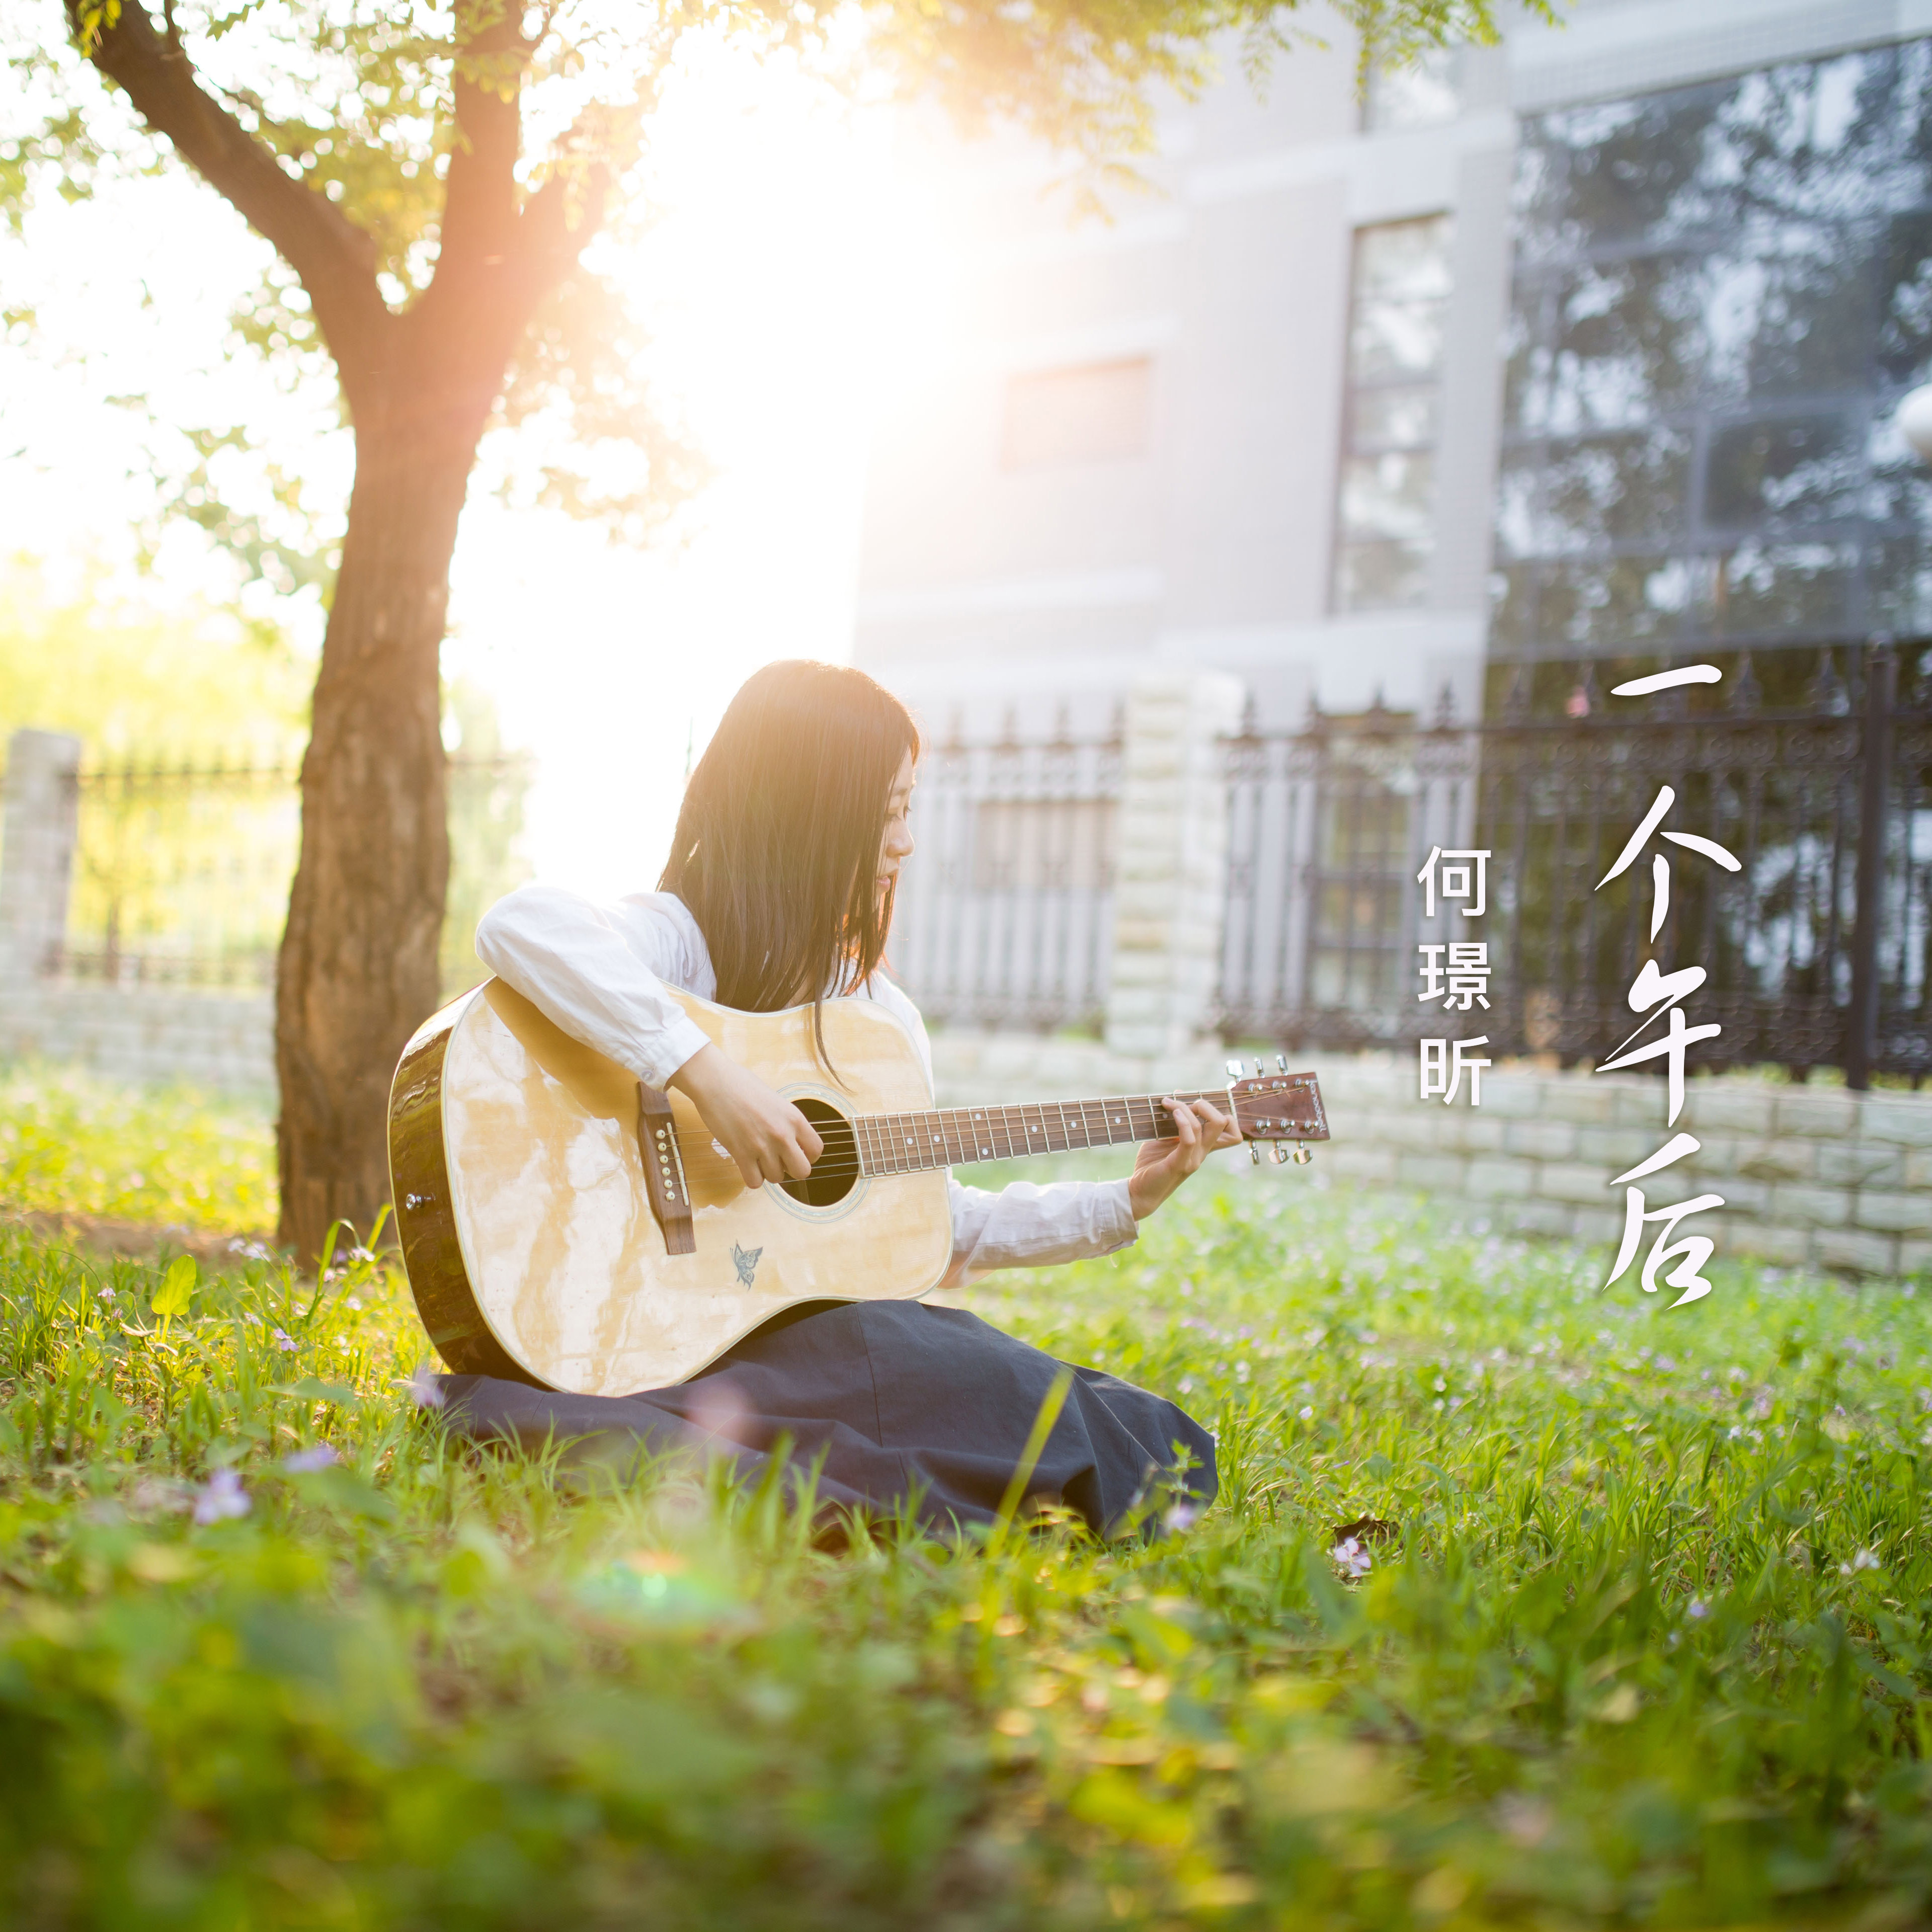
527 1230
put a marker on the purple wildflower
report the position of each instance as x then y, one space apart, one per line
425 1391
222 1496
1352 1558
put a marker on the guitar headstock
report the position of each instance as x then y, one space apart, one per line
1279 1108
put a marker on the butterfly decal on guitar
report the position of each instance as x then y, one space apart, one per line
746 1260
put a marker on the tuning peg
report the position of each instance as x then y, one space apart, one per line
1280 1155
1233 1070
1255 1152
1281 1062
1303 1154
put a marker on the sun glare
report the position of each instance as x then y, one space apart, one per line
793 266
795 271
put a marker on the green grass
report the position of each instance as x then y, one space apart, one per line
1651 1649
73 1142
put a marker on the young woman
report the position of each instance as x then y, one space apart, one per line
778 892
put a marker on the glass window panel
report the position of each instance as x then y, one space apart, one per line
1381 576
1632 168
1512 606
1788 313
1398 418
1403 261
1624 602
1905 296
1793 471
1766 589
1385 512
1389 496
1526 361
1518 506
1682 258
1629 343
1394 339
1899 583
1595 493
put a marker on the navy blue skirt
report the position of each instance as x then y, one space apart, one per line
901 1408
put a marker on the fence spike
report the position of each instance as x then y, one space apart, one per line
1828 692
1746 693
1516 703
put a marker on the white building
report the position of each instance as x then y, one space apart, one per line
1256 423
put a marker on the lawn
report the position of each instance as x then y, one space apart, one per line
1648 1645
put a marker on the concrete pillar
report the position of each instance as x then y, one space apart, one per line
1170 874
43 814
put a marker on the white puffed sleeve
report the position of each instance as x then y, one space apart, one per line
1023 1225
599 971
1026 1226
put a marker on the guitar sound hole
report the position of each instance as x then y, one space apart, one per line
835 1171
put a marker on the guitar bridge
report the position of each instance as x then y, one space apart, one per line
663 1170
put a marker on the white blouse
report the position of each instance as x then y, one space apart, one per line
598 969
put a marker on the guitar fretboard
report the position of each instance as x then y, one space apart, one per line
953 1136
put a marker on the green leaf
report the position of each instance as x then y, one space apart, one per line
309 1389
343 1489
176 1293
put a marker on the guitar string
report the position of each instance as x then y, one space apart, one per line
874 1129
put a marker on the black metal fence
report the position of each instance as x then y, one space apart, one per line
1813 767
1812 770
1007 918
181 872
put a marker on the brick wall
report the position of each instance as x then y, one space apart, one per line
224 1042
1809 1174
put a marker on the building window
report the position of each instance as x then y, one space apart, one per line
1385 533
1097 413
1721 293
1423 93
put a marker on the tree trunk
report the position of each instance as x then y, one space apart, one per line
358 970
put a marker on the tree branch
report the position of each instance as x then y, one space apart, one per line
559 220
335 259
496 266
479 205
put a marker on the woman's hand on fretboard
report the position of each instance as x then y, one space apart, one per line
1163 1165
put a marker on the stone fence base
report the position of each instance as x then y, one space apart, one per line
223 1042
1810 1175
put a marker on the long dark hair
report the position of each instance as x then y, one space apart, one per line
778 842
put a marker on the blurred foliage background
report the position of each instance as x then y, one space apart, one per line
192 722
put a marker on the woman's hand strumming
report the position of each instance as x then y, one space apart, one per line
1163 1165
768 1137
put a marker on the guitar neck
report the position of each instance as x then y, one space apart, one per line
954 1136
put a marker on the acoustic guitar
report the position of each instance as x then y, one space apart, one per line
565 1225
